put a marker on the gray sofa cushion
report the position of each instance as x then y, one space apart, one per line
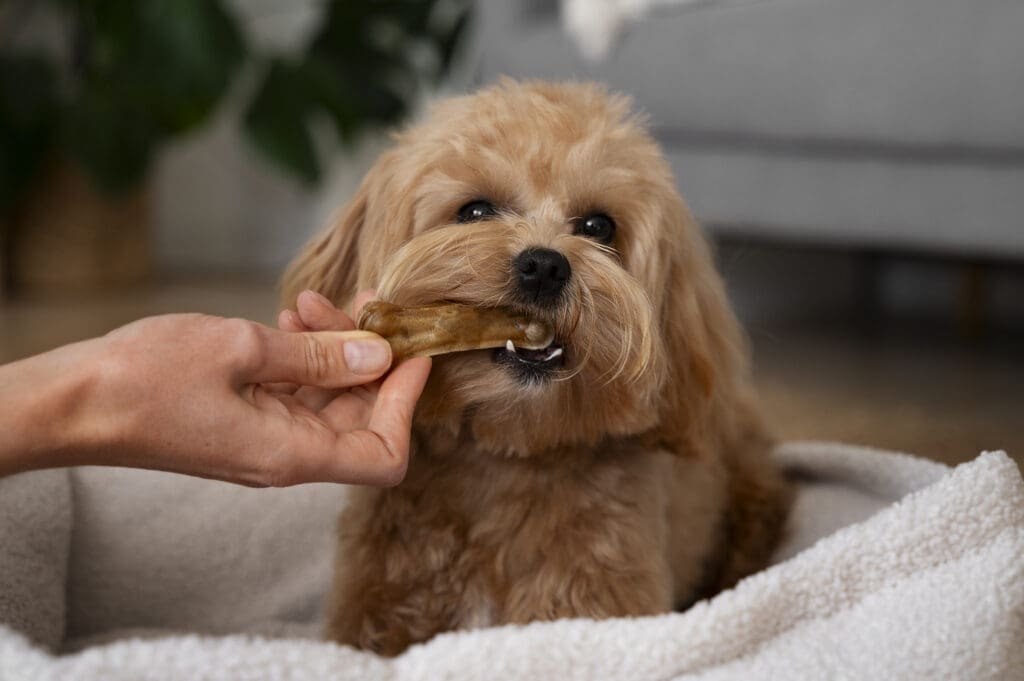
946 73
156 550
35 534
946 209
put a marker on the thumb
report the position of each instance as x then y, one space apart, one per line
326 359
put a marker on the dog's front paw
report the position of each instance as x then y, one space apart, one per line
371 630
388 617
591 593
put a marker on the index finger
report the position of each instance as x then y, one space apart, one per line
319 314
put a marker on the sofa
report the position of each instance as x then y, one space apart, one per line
872 124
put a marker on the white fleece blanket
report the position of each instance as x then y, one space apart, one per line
896 568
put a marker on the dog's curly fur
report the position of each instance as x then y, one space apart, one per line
639 478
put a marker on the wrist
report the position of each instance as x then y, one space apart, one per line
47 406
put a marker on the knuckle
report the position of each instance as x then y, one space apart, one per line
282 480
393 477
246 342
394 470
115 367
321 363
278 473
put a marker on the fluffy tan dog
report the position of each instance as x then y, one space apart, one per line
623 470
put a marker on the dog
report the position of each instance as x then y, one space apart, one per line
622 471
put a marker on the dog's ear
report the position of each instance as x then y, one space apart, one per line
704 344
330 263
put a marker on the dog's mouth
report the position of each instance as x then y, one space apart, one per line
455 327
532 365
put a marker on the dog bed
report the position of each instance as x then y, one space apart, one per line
895 568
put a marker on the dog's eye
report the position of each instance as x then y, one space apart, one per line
474 211
599 227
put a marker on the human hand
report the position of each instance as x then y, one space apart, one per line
201 395
313 312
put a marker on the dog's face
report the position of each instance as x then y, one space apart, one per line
549 200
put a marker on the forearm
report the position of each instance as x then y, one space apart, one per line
45 418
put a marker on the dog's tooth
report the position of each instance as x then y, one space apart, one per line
510 346
554 353
539 334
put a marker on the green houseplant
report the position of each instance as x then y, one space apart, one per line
87 103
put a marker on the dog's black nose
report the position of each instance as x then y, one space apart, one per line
542 274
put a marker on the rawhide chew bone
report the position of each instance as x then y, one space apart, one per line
439 329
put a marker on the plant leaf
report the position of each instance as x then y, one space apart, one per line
113 142
360 69
164 63
27 110
277 121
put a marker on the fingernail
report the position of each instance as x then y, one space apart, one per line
367 356
316 298
322 299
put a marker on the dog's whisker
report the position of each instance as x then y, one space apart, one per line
585 305
469 261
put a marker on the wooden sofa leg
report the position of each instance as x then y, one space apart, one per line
973 280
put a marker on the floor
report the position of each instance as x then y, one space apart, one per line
908 388
914 389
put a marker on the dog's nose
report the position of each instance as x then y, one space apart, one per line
542 274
